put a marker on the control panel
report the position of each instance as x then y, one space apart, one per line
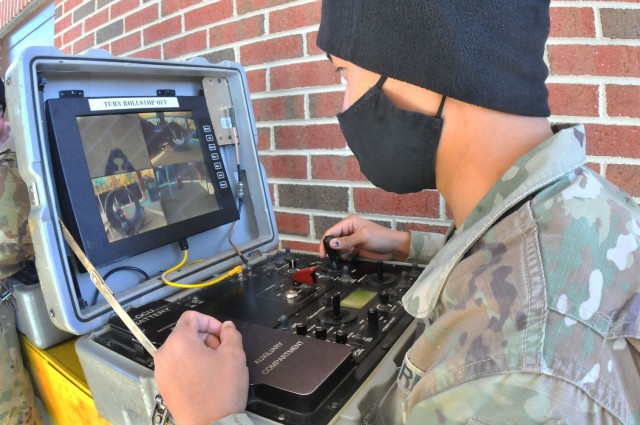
313 329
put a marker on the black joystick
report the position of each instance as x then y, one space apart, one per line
332 253
335 306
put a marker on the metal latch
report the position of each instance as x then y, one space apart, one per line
160 415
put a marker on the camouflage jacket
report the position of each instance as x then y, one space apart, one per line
15 238
17 402
533 304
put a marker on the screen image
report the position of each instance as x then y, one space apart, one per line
147 170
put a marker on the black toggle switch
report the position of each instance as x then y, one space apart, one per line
284 322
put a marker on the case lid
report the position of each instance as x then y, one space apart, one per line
136 157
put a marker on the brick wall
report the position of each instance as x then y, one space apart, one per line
9 9
593 54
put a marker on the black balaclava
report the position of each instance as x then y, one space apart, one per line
488 53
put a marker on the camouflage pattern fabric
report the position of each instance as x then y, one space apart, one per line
17 402
15 238
534 302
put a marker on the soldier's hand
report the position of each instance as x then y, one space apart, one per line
201 370
355 236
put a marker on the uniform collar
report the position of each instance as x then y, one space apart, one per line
557 156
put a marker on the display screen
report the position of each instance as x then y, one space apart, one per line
135 174
357 299
147 170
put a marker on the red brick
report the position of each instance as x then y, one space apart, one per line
285 167
312 46
623 101
278 108
323 105
126 43
208 14
123 6
299 246
190 43
594 60
294 17
322 136
595 167
308 74
613 140
447 212
293 224
154 52
573 99
62 24
241 30
377 201
626 177
162 30
84 43
264 138
271 50
245 6
94 21
257 80
141 17
72 34
172 6
572 22
420 227
57 42
335 167
272 191
69 5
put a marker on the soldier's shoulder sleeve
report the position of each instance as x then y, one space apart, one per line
424 245
521 398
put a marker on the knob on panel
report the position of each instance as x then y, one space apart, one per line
341 336
321 333
301 329
373 317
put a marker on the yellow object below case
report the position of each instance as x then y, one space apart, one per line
60 384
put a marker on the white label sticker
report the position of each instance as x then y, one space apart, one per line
112 103
225 122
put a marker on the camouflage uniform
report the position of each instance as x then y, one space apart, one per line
17 402
533 304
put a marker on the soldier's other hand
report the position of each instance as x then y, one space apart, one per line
201 370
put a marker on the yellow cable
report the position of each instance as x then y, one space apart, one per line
233 271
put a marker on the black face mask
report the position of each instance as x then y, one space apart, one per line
396 148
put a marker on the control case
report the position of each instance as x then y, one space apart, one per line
88 138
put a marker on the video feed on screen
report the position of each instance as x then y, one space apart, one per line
147 170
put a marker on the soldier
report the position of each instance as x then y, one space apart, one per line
17 401
530 310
